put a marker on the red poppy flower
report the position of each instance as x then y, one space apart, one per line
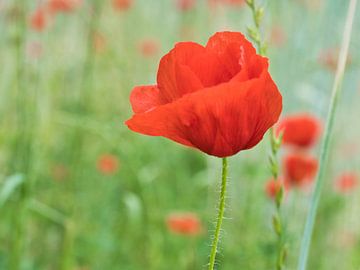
107 164
185 5
184 223
148 47
277 36
329 58
63 5
39 20
234 2
300 169
346 182
272 187
99 42
219 98
301 130
122 4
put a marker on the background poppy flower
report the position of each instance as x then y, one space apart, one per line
272 187
63 5
185 5
219 98
346 182
148 47
301 130
39 20
121 4
184 223
300 169
107 164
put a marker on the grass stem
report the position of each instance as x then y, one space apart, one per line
324 153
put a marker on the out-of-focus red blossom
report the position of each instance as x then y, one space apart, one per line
346 182
277 36
149 47
300 169
107 164
234 2
219 98
214 3
63 5
184 223
122 5
59 172
185 5
39 19
312 4
34 49
272 187
99 42
300 130
329 57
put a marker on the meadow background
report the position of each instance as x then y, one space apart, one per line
64 93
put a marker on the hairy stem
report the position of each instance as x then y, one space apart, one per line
336 90
221 210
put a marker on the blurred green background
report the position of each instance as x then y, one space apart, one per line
63 101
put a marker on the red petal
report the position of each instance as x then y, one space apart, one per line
174 77
145 98
232 48
220 120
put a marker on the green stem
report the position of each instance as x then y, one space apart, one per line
275 143
309 226
220 214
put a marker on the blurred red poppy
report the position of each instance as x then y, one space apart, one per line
272 187
122 5
184 223
234 2
99 42
39 19
300 169
219 98
328 58
346 182
63 5
34 49
185 5
107 164
277 36
149 47
301 130
60 172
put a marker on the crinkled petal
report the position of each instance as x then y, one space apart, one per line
220 120
174 77
145 98
232 48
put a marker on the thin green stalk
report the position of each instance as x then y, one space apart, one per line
275 142
336 90
19 161
221 210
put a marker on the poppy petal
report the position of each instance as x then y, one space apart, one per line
144 98
232 48
174 77
220 120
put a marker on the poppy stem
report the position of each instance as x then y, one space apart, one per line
309 226
220 216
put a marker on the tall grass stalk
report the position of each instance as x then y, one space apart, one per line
275 143
20 158
336 90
